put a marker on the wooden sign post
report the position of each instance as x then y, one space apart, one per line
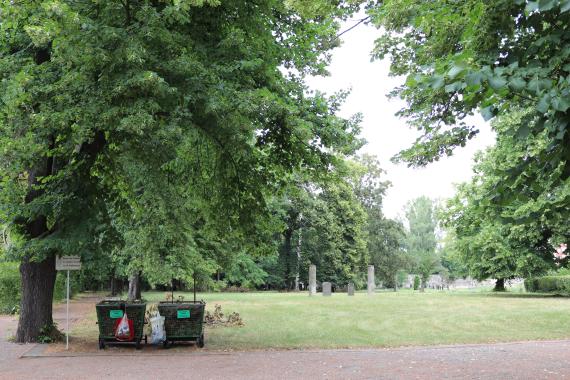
67 263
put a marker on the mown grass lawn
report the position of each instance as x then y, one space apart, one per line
386 319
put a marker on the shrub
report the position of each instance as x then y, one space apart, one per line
559 272
530 285
548 284
218 286
9 288
416 283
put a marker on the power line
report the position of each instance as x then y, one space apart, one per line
353 26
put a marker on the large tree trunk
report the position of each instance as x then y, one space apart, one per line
38 280
113 286
116 285
500 285
134 287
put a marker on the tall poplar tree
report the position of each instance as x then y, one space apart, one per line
421 240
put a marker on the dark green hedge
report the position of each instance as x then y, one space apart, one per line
548 284
9 287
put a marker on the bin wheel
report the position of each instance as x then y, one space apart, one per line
101 344
201 341
165 344
138 344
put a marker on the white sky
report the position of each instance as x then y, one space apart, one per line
387 134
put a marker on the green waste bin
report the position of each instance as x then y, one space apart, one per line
183 321
107 314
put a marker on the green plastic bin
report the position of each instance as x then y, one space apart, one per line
183 321
107 314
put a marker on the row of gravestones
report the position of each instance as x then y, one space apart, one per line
327 285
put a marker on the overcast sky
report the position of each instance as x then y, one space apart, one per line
386 134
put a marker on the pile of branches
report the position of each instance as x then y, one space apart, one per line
217 318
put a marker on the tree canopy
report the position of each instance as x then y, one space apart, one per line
146 126
510 61
477 55
489 235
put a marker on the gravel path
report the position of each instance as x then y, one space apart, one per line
527 360
9 352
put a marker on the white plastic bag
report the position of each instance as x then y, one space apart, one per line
157 335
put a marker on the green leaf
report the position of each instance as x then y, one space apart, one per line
437 82
452 87
523 132
517 84
488 113
560 104
455 71
544 104
497 83
536 85
546 5
531 6
474 78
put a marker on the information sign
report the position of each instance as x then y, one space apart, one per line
67 263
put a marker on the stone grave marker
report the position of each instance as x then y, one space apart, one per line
371 284
312 280
326 288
